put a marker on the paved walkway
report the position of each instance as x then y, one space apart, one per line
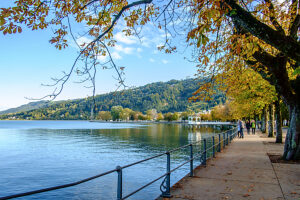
243 171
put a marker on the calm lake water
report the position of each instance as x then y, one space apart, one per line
38 154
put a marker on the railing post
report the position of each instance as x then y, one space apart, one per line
227 138
120 187
213 145
224 140
191 161
219 150
167 193
204 155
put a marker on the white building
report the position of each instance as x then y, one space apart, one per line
194 120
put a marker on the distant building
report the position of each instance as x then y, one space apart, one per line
194 119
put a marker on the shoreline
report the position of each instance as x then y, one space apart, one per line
141 122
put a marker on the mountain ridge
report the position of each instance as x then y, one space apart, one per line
170 96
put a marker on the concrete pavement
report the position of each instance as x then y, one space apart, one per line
243 171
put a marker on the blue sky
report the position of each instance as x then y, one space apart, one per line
28 60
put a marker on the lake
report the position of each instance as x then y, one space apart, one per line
38 154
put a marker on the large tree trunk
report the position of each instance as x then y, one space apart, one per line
271 120
276 65
278 122
292 143
264 120
267 121
256 117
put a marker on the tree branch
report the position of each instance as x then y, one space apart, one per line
286 44
272 17
295 19
136 3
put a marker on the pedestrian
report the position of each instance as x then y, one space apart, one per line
248 126
241 128
253 125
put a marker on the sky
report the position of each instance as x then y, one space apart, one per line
28 60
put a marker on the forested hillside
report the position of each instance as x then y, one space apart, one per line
171 96
27 107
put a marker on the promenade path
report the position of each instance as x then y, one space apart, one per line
243 171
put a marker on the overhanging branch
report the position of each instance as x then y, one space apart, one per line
286 44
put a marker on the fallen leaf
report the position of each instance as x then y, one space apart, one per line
226 197
246 195
293 192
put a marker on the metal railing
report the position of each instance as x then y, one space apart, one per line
165 185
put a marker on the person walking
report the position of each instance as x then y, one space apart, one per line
253 125
248 126
241 129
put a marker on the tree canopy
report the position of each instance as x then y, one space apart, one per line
225 34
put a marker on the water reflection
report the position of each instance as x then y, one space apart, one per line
41 157
194 136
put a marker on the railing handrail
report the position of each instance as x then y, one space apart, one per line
126 166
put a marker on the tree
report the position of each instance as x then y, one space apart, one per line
159 117
184 116
225 33
261 35
116 112
168 116
249 93
175 116
125 114
221 112
151 114
278 119
104 115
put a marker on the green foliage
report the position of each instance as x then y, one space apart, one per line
175 116
184 115
104 115
168 116
28 107
159 117
171 96
116 112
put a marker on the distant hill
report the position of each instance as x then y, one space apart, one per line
171 96
27 107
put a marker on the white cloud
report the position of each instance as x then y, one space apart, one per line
121 37
83 40
102 58
139 50
155 51
165 61
159 45
116 55
145 42
126 50
164 35
152 60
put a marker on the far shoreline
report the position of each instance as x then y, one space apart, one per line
104 121
141 122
